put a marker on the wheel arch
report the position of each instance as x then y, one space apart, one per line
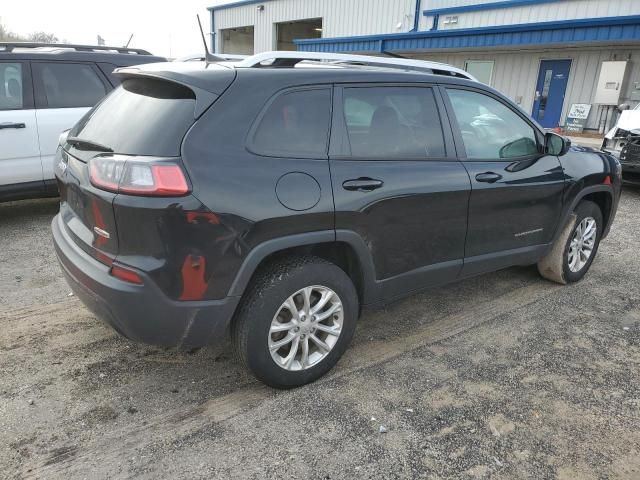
601 195
343 248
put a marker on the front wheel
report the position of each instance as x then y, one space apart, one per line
296 321
575 249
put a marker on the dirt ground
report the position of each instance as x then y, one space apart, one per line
503 376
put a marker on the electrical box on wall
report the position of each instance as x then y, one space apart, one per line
610 81
635 93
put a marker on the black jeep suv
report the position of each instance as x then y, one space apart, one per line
277 201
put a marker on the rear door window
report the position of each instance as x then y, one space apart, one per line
393 123
295 124
68 85
11 86
143 116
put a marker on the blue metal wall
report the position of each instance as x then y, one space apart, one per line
592 31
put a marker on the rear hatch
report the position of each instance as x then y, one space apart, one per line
139 126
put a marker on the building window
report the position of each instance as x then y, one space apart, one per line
481 69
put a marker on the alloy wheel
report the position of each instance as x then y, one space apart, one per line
305 328
582 244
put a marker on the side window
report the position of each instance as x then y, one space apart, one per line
490 129
11 86
295 124
393 123
69 85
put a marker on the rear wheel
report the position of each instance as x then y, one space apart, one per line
574 251
296 321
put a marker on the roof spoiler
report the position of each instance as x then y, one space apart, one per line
204 98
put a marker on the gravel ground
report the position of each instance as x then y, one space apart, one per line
502 376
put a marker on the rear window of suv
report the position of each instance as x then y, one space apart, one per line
141 117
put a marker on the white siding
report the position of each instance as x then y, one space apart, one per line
339 17
515 73
433 4
545 12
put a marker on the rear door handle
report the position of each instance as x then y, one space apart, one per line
488 177
362 184
12 125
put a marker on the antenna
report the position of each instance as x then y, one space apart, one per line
127 45
208 56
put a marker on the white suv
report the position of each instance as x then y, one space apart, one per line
44 90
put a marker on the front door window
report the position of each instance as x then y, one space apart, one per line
490 129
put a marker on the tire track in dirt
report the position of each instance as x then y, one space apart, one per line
36 312
54 325
113 446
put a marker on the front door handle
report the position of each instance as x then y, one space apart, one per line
12 125
362 184
488 177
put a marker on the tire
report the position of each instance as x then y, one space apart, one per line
556 265
263 309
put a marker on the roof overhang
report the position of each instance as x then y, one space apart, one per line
594 31
477 7
239 3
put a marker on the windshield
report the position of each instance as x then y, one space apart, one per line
141 117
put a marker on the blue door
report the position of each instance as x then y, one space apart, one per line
550 89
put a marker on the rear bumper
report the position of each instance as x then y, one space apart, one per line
142 313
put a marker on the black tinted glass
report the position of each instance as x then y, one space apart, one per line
296 124
141 117
393 123
69 84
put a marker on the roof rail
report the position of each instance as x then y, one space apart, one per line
285 59
9 46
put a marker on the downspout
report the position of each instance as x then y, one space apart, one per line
213 31
416 24
416 17
436 17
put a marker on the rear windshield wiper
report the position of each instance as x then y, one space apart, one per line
82 144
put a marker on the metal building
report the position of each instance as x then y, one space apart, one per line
546 55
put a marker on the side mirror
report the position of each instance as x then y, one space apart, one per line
556 144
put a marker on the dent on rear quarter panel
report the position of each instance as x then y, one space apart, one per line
172 240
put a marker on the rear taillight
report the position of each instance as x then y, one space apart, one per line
138 178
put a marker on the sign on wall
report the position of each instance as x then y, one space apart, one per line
577 117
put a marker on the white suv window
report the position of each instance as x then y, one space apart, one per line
68 85
11 86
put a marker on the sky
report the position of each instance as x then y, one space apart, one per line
166 28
